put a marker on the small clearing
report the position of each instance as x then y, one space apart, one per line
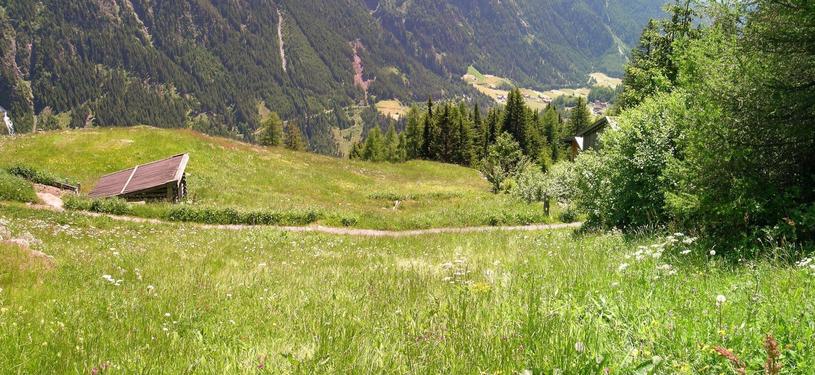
392 108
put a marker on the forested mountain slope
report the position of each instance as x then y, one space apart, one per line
124 62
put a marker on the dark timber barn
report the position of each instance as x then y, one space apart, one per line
159 180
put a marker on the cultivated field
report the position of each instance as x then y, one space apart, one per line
141 298
226 173
497 88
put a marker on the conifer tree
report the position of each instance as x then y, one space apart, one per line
464 151
579 118
428 132
515 119
392 144
492 129
413 135
294 138
402 150
446 143
271 131
553 131
478 132
357 151
374 149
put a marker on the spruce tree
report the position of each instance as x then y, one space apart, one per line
515 119
413 135
493 128
580 117
464 152
478 132
294 138
553 131
446 143
428 132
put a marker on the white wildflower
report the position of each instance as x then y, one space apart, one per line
712 252
685 252
622 267
720 300
579 347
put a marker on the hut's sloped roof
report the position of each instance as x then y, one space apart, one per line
141 177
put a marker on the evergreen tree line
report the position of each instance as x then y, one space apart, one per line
456 133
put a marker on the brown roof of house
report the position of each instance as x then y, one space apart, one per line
141 177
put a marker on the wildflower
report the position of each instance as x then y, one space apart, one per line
685 252
622 267
151 288
720 300
167 315
579 347
689 240
712 252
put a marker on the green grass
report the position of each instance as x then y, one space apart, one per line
228 174
213 301
13 188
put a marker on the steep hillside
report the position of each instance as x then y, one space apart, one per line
227 173
209 64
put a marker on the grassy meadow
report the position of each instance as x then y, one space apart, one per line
226 173
176 298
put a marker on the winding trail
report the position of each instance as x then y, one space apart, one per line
53 206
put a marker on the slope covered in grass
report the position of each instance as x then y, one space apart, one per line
143 298
225 173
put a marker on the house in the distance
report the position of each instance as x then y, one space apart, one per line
589 138
160 180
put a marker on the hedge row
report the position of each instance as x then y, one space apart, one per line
229 216
40 177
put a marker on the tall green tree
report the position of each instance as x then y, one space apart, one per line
392 144
464 144
271 131
428 132
516 122
446 143
413 134
579 118
294 138
374 148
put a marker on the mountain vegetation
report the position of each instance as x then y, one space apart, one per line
207 65
230 178
715 130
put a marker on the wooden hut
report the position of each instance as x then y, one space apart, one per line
156 181
589 138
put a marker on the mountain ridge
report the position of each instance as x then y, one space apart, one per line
209 64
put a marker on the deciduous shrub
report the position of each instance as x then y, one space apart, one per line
112 206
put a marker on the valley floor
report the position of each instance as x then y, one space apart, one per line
178 298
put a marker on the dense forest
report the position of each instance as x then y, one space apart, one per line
210 65
715 134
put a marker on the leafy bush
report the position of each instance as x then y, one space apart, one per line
624 185
13 188
230 216
38 176
504 160
112 206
